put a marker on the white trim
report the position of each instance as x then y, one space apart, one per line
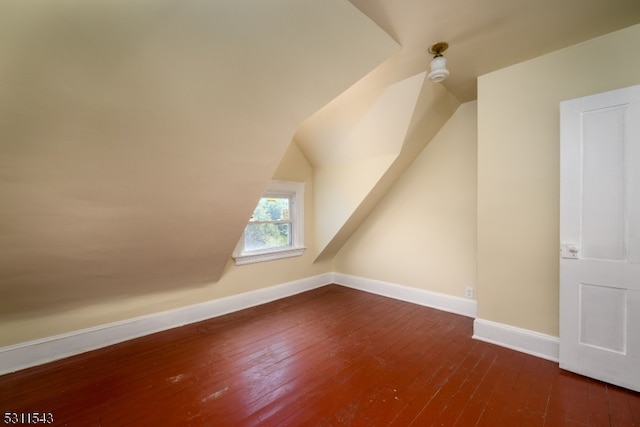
523 340
252 258
295 192
37 352
463 306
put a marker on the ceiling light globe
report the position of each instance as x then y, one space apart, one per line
438 69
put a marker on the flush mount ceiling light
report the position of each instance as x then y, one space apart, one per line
439 63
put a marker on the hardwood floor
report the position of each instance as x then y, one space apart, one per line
328 357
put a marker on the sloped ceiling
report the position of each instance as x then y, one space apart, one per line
354 165
488 35
483 37
136 137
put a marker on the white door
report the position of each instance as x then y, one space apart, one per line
600 236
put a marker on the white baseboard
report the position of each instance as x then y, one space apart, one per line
463 306
523 340
37 352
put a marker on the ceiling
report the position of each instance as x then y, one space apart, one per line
136 137
487 35
394 111
482 36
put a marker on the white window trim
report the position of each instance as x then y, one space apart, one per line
297 248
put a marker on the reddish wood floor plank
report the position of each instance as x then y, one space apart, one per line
327 357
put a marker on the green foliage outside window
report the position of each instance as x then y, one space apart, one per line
270 225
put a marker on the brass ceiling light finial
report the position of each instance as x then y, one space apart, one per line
439 63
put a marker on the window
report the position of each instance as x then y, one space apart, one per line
276 227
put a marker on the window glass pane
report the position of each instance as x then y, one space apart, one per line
276 228
271 209
267 236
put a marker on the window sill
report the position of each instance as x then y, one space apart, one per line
252 258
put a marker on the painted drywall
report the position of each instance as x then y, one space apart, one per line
347 168
235 280
340 190
355 165
518 172
136 137
423 232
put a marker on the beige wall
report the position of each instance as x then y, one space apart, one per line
136 138
235 280
423 233
354 165
518 172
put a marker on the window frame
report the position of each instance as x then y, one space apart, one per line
294 191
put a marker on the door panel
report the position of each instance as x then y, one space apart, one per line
633 171
603 200
600 237
602 317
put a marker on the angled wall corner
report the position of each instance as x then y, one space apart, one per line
350 179
141 134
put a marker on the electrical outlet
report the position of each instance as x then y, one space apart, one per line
468 292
